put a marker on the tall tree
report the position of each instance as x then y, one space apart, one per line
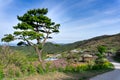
33 25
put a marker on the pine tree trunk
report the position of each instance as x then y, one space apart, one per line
40 55
39 52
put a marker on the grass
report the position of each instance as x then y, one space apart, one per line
63 76
20 68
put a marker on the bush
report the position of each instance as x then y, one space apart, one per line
18 59
31 69
8 56
87 67
40 69
13 62
101 60
108 65
12 71
78 68
101 49
105 65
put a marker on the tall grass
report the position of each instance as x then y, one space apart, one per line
16 64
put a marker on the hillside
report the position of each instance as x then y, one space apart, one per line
110 41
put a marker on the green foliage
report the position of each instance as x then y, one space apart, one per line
46 68
99 55
88 67
8 38
1 73
101 49
18 66
37 23
40 69
101 60
105 65
77 68
108 65
31 69
24 69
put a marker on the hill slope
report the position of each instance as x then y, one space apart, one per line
110 41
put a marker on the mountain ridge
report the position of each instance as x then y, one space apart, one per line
110 41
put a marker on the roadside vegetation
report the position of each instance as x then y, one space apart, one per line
17 65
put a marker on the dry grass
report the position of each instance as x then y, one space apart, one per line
49 76
63 76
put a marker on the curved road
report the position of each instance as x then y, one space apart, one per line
112 75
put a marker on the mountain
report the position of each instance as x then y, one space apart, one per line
110 41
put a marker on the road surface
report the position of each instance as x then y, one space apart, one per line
112 75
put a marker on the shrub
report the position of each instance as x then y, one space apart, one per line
87 67
108 65
9 56
12 71
18 59
69 68
40 69
24 69
105 65
101 49
82 67
47 67
31 69
59 69
77 68
101 60
4 55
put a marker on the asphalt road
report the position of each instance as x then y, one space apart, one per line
112 75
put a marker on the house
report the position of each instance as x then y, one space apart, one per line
74 51
87 57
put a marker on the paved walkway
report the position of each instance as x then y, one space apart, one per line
112 75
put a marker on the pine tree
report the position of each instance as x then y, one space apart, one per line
33 25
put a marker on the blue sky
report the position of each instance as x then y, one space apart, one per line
79 19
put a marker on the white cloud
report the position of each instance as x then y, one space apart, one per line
59 13
71 30
87 27
6 21
4 3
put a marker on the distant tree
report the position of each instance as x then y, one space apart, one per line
101 54
33 25
101 49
